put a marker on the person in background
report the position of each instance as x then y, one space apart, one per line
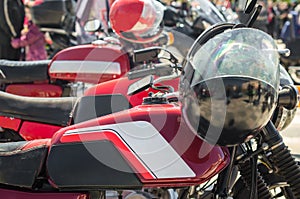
11 24
283 12
32 39
272 19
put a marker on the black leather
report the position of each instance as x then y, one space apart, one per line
21 167
90 107
23 71
6 148
46 110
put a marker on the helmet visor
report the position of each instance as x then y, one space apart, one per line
241 52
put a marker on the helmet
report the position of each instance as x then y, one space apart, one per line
137 21
229 86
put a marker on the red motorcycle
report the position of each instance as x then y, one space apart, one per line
67 74
196 143
125 164
22 118
154 148
127 160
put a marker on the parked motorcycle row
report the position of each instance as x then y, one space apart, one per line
197 118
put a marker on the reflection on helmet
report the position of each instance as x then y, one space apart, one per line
137 21
229 89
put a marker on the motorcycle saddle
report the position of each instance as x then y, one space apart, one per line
54 111
22 162
90 107
23 71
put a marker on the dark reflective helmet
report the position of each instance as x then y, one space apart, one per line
229 87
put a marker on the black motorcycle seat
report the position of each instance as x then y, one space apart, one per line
21 162
23 71
90 107
54 111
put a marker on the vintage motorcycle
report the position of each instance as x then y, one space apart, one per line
154 145
213 139
125 174
71 69
253 169
22 118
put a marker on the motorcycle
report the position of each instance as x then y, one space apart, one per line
63 79
69 73
57 78
130 174
154 147
22 118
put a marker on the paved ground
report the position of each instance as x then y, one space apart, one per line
291 134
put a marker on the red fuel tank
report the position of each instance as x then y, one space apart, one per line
92 63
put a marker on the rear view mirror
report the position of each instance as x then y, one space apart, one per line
249 6
92 25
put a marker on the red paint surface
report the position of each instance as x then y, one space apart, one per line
35 130
10 123
105 53
204 159
120 86
35 90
